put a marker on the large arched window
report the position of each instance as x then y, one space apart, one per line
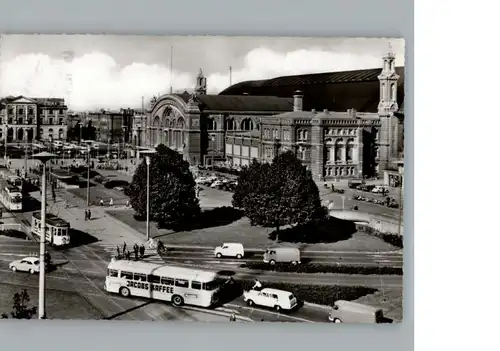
211 124
247 124
180 123
339 149
230 125
350 150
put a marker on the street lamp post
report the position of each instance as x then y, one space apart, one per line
88 175
43 157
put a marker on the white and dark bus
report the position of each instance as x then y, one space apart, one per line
179 285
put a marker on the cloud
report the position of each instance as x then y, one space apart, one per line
95 80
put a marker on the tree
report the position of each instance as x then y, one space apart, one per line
278 194
20 308
172 189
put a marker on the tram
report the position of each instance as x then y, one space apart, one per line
57 229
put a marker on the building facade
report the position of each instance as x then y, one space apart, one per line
361 135
25 119
111 127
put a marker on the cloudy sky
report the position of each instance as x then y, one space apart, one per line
92 71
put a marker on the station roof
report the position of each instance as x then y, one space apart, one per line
334 91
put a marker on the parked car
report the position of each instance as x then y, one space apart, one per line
272 298
282 255
28 264
353 312
379 189
230 250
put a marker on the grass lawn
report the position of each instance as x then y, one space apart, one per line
391 301
63 305
241 231
99 192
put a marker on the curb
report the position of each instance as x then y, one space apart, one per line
217 313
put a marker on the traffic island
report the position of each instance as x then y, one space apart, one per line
323 268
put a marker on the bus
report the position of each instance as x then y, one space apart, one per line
57 229
11 197
179 285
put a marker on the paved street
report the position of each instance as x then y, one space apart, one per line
81 268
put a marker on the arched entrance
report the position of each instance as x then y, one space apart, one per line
29 133
10 135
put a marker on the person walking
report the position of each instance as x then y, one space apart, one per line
124 247
118 251
86 214
89 214
111 202
233 317
136 252
142 250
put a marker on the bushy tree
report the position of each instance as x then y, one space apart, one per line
172 189
278 194
20 308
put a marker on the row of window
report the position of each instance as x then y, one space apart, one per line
21 120
340 171
31 111
340 131
155 279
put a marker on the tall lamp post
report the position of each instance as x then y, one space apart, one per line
148 163
43 157
88 174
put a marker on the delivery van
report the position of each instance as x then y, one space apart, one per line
282 255
353 312
229 250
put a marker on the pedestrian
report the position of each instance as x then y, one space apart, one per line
128 255
127 204
89 214
124 246
118 251
111 202
142 250
136 252
86 214
233 317
101 202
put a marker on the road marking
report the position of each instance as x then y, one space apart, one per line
269 312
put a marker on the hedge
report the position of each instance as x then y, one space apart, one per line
13 233
323 268
317 294
390 238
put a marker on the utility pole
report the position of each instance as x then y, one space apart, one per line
230 75
171 65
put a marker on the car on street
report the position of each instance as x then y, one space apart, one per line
230 250
282 255
354 312
379 189
28 264
271 298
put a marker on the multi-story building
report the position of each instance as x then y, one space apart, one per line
111 126
358 133
25 119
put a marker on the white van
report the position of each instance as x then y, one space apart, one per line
354 312
230 250
272 298
282 255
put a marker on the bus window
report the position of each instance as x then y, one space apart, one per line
167 281
127 275
209 286
112 273
139 276
182 283
154 279
195 285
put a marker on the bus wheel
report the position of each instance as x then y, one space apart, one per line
272 262
336 320
277 308
124 292
238 256
177 300
32 271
